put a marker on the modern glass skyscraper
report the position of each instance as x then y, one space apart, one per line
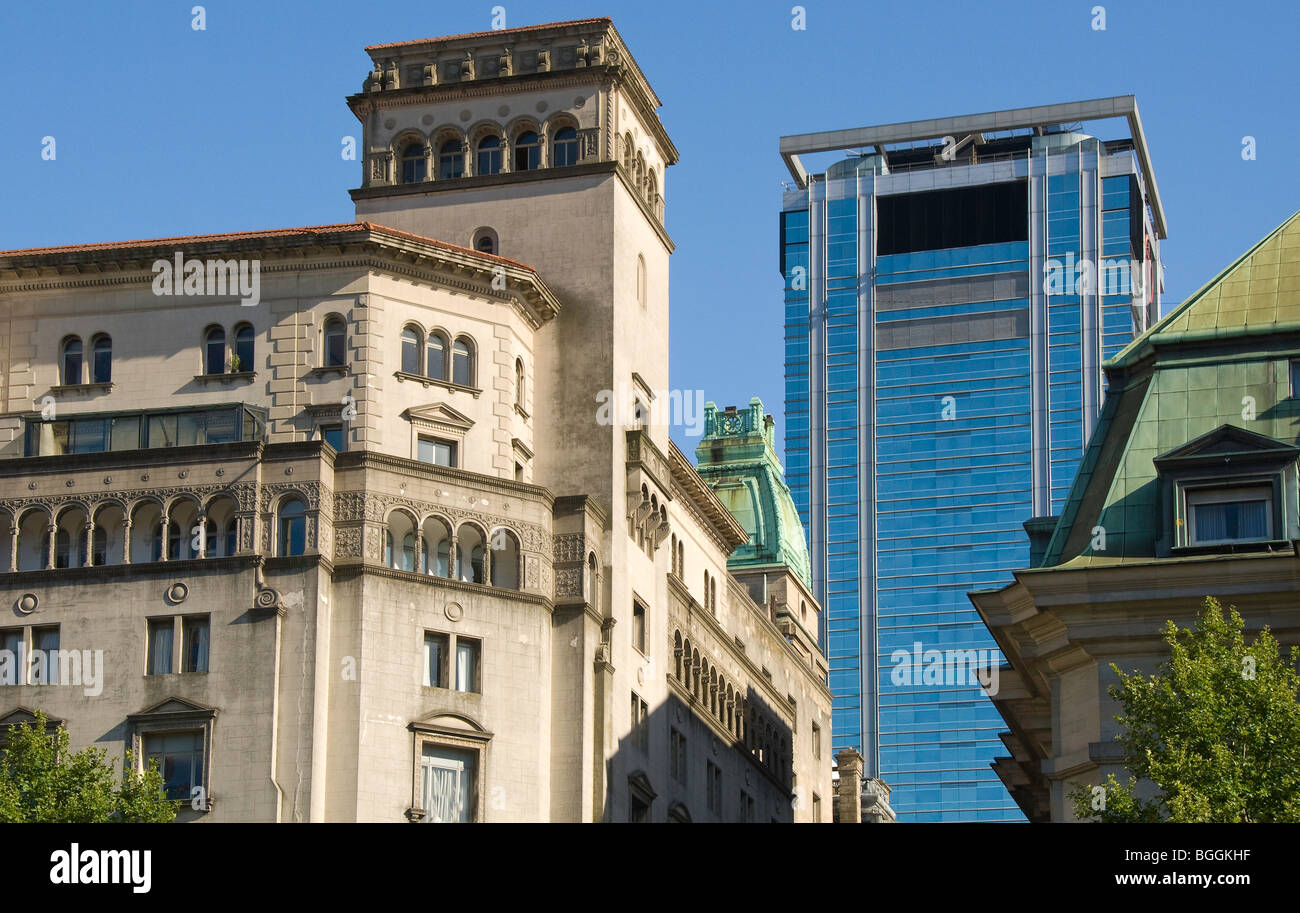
952 288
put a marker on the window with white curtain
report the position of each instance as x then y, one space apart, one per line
194 637
160 633
1223 515
447 785
435 660
467 657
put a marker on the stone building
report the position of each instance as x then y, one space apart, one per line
1188 489
336 522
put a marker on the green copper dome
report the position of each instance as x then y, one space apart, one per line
738 461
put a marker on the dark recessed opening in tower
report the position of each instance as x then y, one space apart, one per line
961 217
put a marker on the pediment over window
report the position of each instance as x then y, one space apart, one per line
1231 446
20 715
439 416
451 723
174 708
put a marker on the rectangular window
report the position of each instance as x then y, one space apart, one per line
677 755
467 657
45 663
159 646
816 740
713 783
817 808
638 812
638 627
746 809
333 435
447 785
194 638
435 660
1295 377
1230 515
640 722
180 760
11 643
437 452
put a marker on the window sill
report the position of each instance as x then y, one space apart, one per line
1238 545
327 370
435 382
67 389
229 377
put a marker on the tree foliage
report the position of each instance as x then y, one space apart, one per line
1216 730
43 781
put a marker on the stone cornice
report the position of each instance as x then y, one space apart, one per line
370 249
363 568
695 490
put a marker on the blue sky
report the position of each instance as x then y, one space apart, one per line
162 130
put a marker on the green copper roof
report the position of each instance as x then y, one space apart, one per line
1260 293
737 459
1217 368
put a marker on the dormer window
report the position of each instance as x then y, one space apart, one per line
1221 515
1225 492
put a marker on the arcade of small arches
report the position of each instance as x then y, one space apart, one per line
437 547
726 703
486 148
141 530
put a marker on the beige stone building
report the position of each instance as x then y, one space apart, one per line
331 521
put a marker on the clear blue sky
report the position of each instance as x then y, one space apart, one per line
162 130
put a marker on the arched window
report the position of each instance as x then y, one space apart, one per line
640 281
528 151
174 547
435 361
564 150
589 580
413 163
410 351
489 156
291 538
505 560
462 363
469 558
627 152
243 359
214 351
335 337
70 361
101 359
519 382
652 191
451 160
638 175
485 241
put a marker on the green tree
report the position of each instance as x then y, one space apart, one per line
1216 730
43 781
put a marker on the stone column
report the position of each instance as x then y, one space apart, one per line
50 533
162 543
202 522
126 539
848 798
90 544
13 548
